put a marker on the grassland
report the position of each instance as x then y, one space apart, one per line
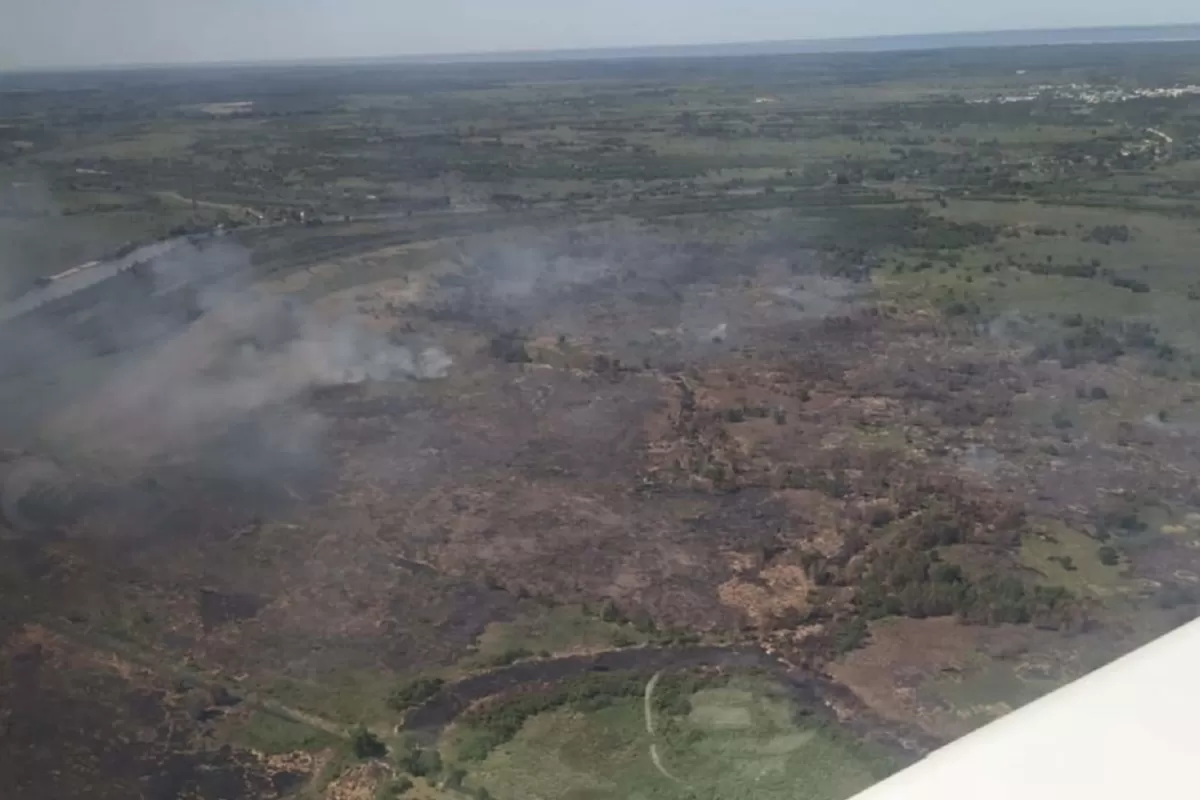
272 735
560 630
836 358
739 741
1068 558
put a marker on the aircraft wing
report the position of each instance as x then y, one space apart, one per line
1129 730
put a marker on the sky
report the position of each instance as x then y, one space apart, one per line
54 33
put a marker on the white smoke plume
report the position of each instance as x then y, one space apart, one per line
247 352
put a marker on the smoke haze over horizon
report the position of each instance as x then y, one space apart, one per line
57 33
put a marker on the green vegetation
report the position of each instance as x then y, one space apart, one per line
849 634
394 788
830 331
419 762
347 696
987 690
555 630
366 745
740 741
485 728
909 570
1065 557
414 693
272 734
915 584
509 346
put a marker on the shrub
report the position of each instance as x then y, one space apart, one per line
673 695
454 780
906 578
849 635
1108 556
395 788
509 656
366 745
1062 420
1066 562
496 723
420 763
510 347
1133 285
880 516
415 693
1107 234
947 573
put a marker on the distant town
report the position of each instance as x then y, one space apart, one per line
1090 95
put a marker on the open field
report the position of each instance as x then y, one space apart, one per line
734 742
463 400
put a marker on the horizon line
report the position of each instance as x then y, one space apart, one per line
829 45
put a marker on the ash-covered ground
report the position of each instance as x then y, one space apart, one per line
270 488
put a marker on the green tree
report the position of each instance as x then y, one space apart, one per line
455 779
394 789
366 744
415 693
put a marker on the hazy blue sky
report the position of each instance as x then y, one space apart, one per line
61 32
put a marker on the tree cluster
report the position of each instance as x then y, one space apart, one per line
498 722
414 693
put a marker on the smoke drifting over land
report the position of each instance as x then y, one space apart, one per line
199 365
201 352
247 353
621 280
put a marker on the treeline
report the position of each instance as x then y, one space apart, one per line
910 583
892 566
1107 234
1085 269
1103 341
415 693
858 234
904 581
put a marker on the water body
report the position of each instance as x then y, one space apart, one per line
455 698
809 690
84 278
